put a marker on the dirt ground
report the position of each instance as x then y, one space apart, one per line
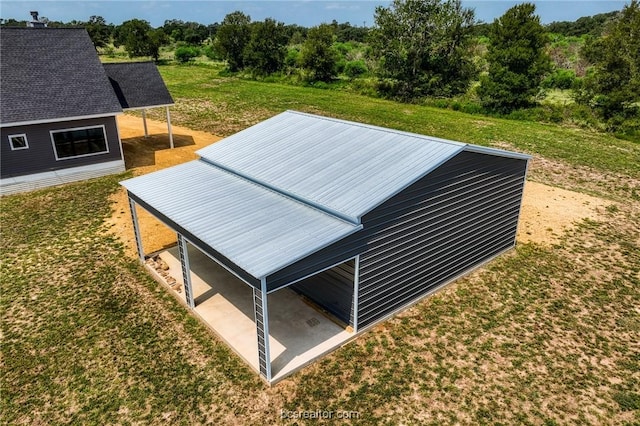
144 155
547 212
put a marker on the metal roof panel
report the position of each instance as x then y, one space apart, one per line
259 230
343 167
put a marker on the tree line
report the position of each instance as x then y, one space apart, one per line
419 49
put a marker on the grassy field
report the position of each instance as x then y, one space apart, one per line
541 336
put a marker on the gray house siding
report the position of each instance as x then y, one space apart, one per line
40 156
460 215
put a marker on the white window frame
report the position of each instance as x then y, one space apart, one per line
26 141
55 151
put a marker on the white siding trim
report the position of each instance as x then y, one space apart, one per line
26 141
24 183
58 120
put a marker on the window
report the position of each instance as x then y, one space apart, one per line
18 142
80 142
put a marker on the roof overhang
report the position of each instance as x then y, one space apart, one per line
148 107
250 229
497 152
58 120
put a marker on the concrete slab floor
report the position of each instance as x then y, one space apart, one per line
298 333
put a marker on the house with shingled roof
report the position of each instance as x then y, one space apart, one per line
58 107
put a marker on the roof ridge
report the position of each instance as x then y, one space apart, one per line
378 128
288 194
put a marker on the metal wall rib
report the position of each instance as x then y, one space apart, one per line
457 217
331 289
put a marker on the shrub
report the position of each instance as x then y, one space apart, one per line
560 79
185 54
355 68
211 53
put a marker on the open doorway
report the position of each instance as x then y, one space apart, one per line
331 290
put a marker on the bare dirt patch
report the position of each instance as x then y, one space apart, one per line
547 212
145 155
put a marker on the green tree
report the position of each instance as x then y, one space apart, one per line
517 60
232 37
267 48
99 31
422 48
317 55
140 39
612 86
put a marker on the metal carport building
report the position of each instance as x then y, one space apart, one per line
360 219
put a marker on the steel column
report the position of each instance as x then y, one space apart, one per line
144 121
136 229
186 271
356 285
169 128
262 327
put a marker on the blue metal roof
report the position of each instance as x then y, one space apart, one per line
259 230
342 167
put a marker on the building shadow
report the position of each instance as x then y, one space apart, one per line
140 151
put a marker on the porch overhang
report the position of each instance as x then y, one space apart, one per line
250 230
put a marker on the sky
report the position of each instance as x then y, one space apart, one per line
307 13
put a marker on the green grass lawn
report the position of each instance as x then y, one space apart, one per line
542 335
226 105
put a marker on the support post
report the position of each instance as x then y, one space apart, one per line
186 271
169 128
356 286
136 229
262 327
144 121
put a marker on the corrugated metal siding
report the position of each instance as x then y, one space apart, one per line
332 290
40 156
345 168
460 215
341 251
469 203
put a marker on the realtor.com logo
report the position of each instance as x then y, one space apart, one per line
319 414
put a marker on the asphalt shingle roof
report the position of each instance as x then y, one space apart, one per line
51 73
138 84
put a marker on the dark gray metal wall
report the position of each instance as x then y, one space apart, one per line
40 156
451 220
331 289
460 215
334 254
